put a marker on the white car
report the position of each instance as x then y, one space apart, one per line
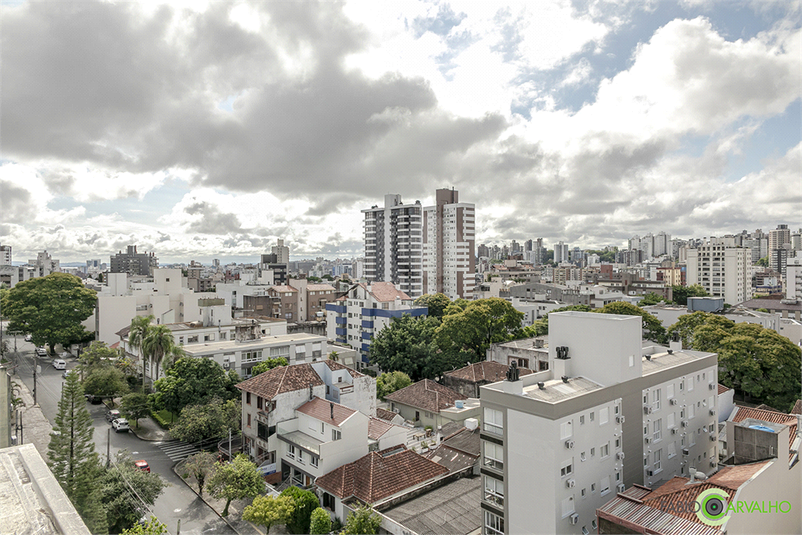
120 425
65 354
40 351
28 337
59 364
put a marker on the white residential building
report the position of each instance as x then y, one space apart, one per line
721 270
393 245
365 310
449 246
560 252
5 255
793 278
607 413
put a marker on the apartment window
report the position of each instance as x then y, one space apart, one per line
567 429
671 421
670 391
322 426
567 468
604 415
494 455
604 485
592 452
336 434
672 450
258 402
690 383
301 456
567 506
494 421
604 450
593 487
617 442
494 491
313 461
592 416
582 420
691 411
291 451
658 460
582 456
249 419
583 492
248 398
658 429
656 399
494 524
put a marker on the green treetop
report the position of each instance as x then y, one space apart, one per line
236 480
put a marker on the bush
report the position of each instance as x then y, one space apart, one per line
305 503
162 418
320 522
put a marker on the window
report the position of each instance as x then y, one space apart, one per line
291 451
258 402
322 428
494 524
690 383
670 421
592 452
582 456
658 429
672 450
248 398
604 450
656 399
494 455
592 416
494 421
336 434
301 456
670 391
566 429
604 485
658 463
604 415
568 506
494 491
593 487
249 419
582 420
691 411
617 442
567 468
313 461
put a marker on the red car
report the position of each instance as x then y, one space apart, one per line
142 465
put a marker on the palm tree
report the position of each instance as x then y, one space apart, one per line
157 344
140 327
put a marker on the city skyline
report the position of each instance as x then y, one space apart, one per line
210 130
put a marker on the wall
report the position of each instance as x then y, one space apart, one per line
775 483
113 314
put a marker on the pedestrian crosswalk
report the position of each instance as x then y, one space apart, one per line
177 450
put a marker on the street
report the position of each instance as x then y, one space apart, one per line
177 501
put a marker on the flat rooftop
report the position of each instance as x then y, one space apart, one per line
555 390
265 341
665 360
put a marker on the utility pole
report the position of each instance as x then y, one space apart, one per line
108 447
35 365
178 529
230 458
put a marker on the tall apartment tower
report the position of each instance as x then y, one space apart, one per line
721 270
282 252
561 252
449 246
134 263
779 237
5 255
393 245
793 278
608 413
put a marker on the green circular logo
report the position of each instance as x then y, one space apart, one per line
711 507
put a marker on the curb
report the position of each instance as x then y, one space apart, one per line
224 519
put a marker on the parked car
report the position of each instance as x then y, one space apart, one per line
59 364
112 415
42 352
142 465
120 425
65 354
66 373
28 337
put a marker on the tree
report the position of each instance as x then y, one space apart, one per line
362 521
541 326
152 527
236 480
211 420
268 510
305 502
200 466
480 324
651 298
125 492
682 293
406 345
194 381
685 327
763 262
135 406
268 364
71 452
159 345
389 382
50 308
437 303
652 327
107 382
320 523
97 355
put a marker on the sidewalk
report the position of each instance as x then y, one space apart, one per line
149 430
35 427
234 518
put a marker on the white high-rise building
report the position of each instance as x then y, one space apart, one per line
449 246
561 252
5 255
393 248
793 278
721 270
282 252
608 413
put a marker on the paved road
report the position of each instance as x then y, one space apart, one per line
177 501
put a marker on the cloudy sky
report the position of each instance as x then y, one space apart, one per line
202 130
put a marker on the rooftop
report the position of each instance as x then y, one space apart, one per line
280 380
326 411
527 343
380 474
384 414
264 341
742 413
426 395
378 427
555 390
320 287
669 359
722 389
484 371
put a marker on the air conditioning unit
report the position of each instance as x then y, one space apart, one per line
648 440
713 464
226 364
620 455
569 444
672 401
713 437
570 483
396 410
712 412
649 473
647 410
574 518
712 386
684 423
619 419
673 430
621 487
686 451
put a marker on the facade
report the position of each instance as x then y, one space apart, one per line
282 252
560 252
427 403
721 270
467 380
365 310
5 255
393 245
530 353
607 413
779 237
793 278
134 263
449 246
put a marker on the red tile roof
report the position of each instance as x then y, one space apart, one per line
322 410
426 395
722 389
379 475
386 291
320 288
384 414
283 288
490 371
377 428
337 366
742 413
797 407
280 380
